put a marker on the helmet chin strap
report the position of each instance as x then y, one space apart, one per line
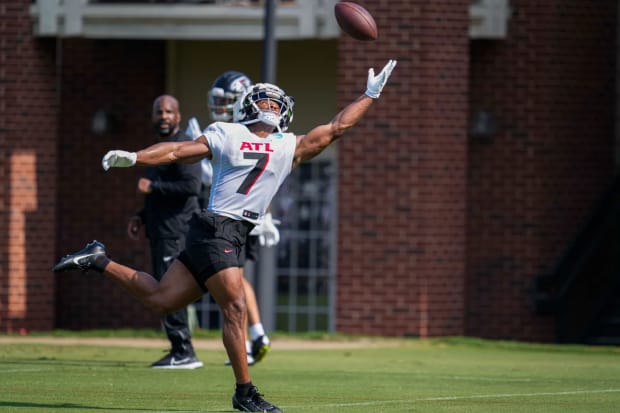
270 118
259 120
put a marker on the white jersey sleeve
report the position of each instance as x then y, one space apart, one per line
247 169
205 164
207 172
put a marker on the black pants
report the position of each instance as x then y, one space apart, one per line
163 252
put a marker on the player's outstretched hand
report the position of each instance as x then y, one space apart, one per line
267 232
118 159
375 84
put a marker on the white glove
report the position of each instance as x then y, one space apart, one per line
267 232
375 84
118 159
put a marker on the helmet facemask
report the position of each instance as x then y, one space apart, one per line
247 112
221 104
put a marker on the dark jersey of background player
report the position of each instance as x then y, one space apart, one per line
171 197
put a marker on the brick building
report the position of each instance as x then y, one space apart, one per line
438 228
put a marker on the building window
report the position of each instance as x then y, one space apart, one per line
306 262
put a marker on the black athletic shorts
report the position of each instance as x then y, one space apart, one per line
213 243
250 250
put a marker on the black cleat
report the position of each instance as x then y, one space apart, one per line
83 259
254 402
178 362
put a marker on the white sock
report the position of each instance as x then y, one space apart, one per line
248 347
257 330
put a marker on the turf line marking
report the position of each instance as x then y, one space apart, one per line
492 396
493 379
476 396
22 370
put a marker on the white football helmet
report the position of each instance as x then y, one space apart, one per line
246 111
224 92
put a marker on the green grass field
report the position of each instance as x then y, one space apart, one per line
450 375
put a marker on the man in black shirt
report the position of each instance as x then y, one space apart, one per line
171 197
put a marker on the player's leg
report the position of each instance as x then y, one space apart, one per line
259 342
226 287
176 326
253 317
176 289
250 300
252 311
250 303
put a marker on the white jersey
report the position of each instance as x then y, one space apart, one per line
193 130
247 169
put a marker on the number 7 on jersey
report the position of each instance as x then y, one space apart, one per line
262 159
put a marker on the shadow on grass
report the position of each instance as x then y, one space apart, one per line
79 407
51 361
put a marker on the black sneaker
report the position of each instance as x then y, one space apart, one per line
260 348
177 361
81 260
253 402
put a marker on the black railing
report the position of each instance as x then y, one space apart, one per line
583 281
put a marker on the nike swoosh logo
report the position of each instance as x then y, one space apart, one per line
167 258
176 362
79 257
227 250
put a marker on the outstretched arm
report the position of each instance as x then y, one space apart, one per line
159 153
315 141
170 152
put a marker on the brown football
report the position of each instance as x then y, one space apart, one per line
356 21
